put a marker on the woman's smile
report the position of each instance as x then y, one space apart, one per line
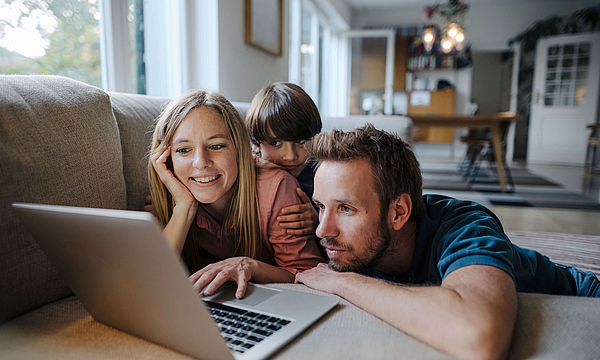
206 180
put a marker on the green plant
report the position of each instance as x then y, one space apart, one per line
583 20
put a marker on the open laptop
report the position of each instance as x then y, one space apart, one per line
127 276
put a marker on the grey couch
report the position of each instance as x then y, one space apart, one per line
64 142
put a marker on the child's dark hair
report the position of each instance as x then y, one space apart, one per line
287 110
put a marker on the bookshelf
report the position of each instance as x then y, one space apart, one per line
422 62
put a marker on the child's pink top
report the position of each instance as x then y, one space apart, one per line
276 189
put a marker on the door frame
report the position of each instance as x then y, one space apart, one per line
539 84
389 63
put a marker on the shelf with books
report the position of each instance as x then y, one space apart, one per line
421 62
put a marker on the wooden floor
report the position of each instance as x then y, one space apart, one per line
553 220
547 220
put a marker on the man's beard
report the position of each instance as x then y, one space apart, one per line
378 240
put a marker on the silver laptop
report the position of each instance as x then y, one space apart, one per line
127 276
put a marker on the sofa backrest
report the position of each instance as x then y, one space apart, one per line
135 116
59 144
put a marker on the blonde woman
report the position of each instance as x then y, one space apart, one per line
214 202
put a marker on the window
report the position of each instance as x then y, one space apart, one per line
309 51
566 75
315 54
135 20
57 37
86 40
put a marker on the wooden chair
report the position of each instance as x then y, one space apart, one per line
480 149
593 143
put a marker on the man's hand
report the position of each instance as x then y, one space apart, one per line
238 269
300 219
321 278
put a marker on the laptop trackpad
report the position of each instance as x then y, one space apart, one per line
254 294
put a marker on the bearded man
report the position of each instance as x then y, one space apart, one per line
439 269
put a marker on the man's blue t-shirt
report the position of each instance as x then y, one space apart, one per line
306 179
454 233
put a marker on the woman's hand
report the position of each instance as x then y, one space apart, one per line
181 194
211 277
300 219
240 270
186 205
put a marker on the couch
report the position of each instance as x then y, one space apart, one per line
63 142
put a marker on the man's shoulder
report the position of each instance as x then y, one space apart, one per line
440 207
446 216
462 233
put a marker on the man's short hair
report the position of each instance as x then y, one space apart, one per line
287 110
394 166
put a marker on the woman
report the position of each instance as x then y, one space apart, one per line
215 204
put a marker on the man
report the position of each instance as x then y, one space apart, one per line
464 273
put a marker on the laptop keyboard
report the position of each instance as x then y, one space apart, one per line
243 329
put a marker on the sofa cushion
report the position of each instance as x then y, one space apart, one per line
135 115
59 144
547 327
241 107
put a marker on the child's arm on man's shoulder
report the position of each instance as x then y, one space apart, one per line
299 219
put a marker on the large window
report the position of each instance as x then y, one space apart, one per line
135 20
317 60
57 37
99 42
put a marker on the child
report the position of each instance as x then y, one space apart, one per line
282 119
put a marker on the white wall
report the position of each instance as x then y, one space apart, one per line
244 69
489 25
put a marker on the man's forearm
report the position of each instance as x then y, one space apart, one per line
438 316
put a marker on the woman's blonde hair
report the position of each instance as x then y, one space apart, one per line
242 212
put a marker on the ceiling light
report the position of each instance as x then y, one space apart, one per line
448 17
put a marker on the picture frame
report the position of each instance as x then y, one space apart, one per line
264 25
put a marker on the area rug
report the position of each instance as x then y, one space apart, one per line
527 190
580 251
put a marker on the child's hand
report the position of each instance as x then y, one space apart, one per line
148 207
299 219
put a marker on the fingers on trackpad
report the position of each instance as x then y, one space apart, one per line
254 294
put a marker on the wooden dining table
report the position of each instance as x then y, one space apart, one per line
497 123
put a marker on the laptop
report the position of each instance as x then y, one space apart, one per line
127 276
